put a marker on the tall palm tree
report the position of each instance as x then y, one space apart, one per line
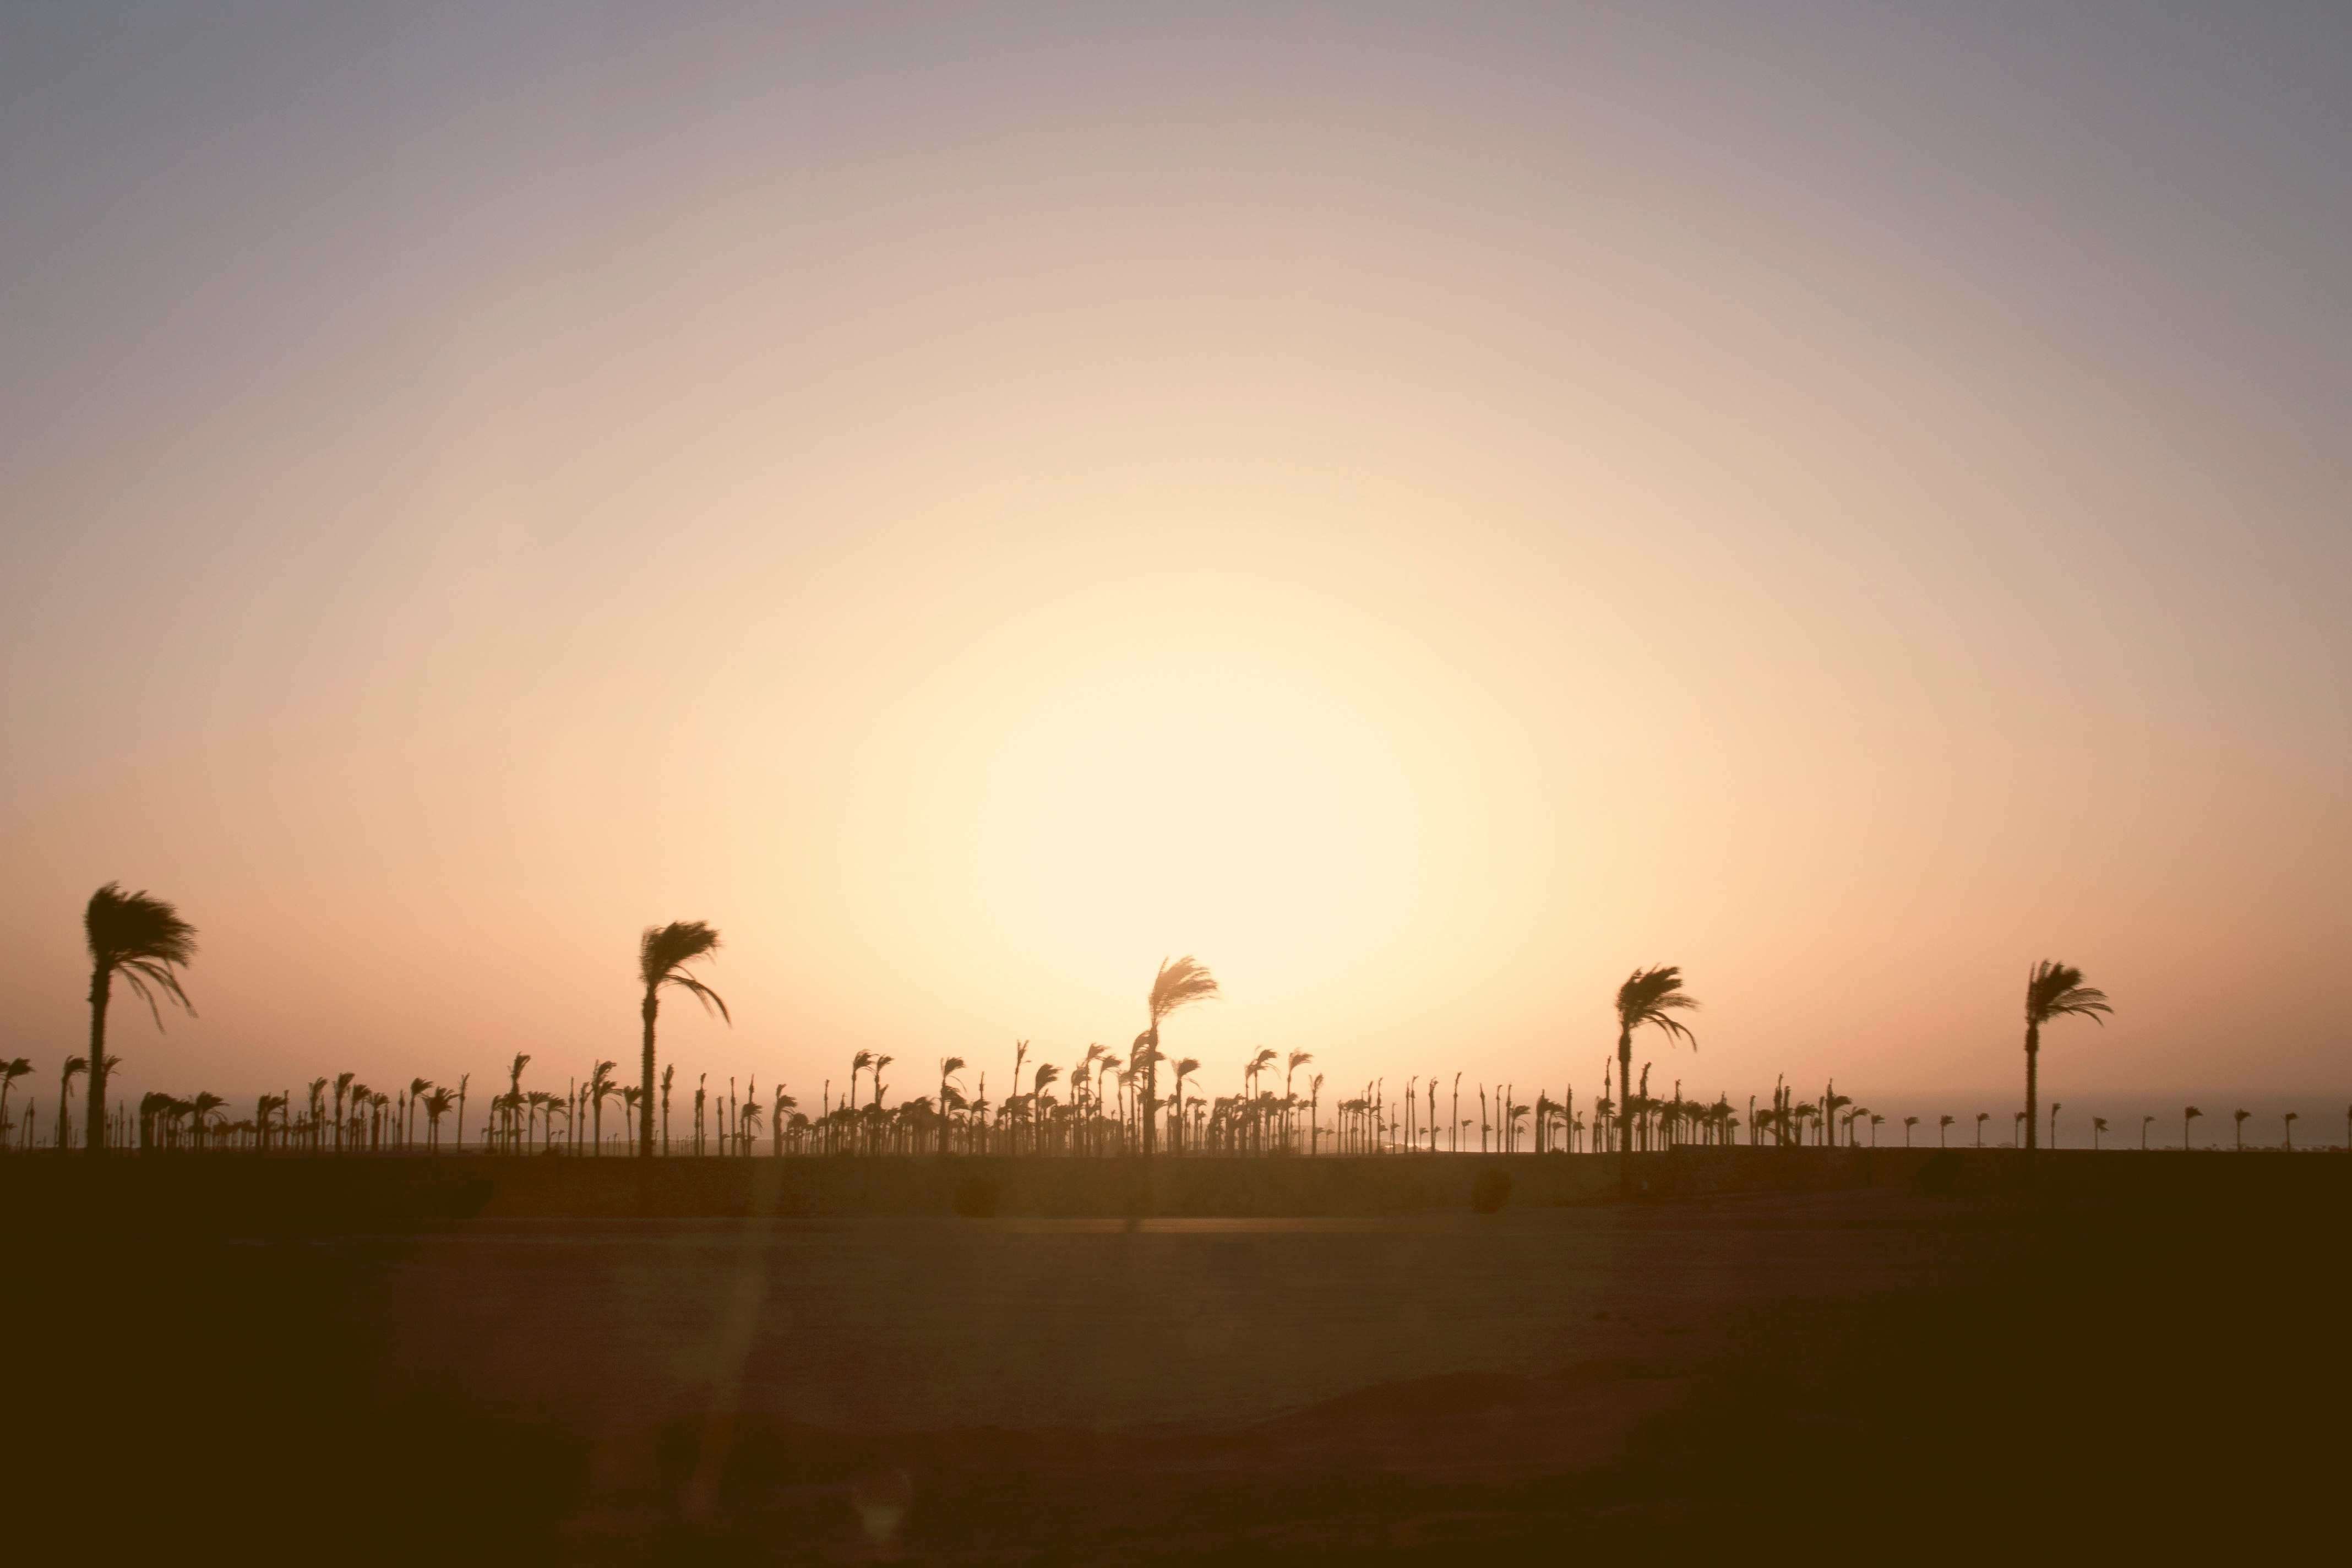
1290 1065
1177 984
2238 1116
2289 1126
662 953
317 1111
2189 1113
949 1068
1982 1117
436 1105
1184 1068
2099 1130
1649 996
416 1087
145 941
1908 1124
75 1068
2143 1123
668 1073
10 1071
1942 1123
599 1088
2054 991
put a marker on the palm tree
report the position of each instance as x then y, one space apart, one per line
1291 1064
75 1067
2055 1108
2189 1113
10 1071
662 953
949 1068
2289 1128
317 1111
2099 1130
599 1088
1648 996
416 1087
1982 1117
668 1073
1177 984
436 1105
1184 1068
1941 1123
1908 1124
2054 991
2144 1122
144 940
2238 1116
463 1080
342 1087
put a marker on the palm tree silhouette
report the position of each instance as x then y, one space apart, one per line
2098 1128
2189 1113
2144 1122
2054 991
1941 1123
662 953
2289 1125
949 1068
1184 1068
75 1068
599 1089
10 1071
1908 1124
1982 1117
1177 984
669 1071
1648 996
2055 1108
145 941
342 1087
436 1105
2238 1116
416 1087
1290 1065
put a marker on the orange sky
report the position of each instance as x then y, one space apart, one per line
1424 514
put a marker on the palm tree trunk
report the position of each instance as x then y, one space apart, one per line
1624 1144
2032 1062
645 1075
102 986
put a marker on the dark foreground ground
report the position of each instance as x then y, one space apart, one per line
2011 1373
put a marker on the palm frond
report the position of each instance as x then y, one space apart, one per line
1179 983
2056 990
1651 996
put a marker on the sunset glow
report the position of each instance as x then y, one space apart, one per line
1425 519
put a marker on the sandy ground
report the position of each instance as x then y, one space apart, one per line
1652 1379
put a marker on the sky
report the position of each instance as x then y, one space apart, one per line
1425 508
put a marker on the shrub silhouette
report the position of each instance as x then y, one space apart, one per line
1490 1190
975 1196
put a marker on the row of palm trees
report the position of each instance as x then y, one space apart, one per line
1108 1106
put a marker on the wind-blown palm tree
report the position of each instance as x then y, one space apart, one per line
949 1068
10 1071
1177 984
2143 1123
1908 1124
2099 1130
599 1089
2054 991
1290 1065
436 1105
1982 1117
416 1087
1184 1068
1649 996
2289 1127
75 1068
662 953
1942 1123
145 941
2238 1116
2189 1113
